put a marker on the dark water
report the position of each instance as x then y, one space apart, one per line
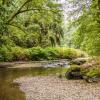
11 91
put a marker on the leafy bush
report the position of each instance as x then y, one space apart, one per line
19 53
5 53
52 53
69 53
5 40
37 53
8 53
93 73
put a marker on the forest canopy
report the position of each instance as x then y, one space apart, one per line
32 24
29 23
86 35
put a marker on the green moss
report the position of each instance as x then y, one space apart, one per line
93 73
90 74
74 68
74 72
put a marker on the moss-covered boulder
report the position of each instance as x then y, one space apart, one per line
74 73
90 71
79 61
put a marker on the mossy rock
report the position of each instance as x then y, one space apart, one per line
79 61
74 73
92 76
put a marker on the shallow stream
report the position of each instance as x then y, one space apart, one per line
11 91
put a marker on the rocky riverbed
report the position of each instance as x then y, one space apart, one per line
32 64
54 88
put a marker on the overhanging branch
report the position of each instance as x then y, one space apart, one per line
18 11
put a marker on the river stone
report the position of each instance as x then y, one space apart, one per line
74 75
79 61
52 88
92 79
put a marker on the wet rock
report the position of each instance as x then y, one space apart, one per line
60 63
73 75
92 79
79 61
15 84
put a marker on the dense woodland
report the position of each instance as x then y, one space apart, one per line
31 28
43 43
87 35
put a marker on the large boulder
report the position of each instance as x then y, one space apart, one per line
74 73
79 61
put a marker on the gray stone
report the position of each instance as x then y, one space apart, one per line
79 61
92 79
73 75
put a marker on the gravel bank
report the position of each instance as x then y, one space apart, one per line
53 88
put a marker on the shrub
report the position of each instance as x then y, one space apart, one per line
8 53
5 53
5 40
52 53
37 53
19 53
69 53
93 73
92 76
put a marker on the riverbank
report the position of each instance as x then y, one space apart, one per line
54 88
29 64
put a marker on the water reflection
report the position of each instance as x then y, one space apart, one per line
10 91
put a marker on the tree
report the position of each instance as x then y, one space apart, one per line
87 34
42 17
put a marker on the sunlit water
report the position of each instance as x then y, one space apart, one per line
11 91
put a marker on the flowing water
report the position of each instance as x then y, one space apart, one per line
10 90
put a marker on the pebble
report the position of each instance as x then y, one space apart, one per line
54 88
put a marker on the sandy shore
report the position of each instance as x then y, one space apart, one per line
53 88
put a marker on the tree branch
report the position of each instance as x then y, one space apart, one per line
28 10
22 11
18 11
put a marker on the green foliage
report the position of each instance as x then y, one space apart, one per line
31 23
93 73
8 53
19 54
87 34
5 54
85 73
74 68
69 52
37 53
52 53
90 71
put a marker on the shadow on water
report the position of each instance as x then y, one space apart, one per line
10 91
